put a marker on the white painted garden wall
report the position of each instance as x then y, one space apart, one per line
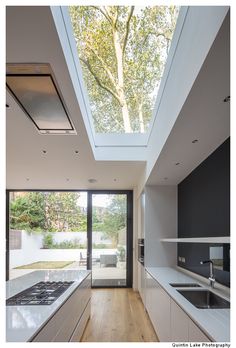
32 243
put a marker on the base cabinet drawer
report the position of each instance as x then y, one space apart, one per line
77 334
179 324
183 328
158 307
141 282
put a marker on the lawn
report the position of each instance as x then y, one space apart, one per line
45 265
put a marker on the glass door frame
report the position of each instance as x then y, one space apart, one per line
129 233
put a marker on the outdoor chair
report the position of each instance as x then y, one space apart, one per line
82 260
108 260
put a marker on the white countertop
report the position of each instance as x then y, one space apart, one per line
215 323
22 322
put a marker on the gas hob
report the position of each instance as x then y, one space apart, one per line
42 293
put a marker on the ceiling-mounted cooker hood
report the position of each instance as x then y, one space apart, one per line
35 89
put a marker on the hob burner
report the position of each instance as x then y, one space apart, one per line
42 293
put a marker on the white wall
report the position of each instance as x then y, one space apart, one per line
30 244
160 222
27 256
31 251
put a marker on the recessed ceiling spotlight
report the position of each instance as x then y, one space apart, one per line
27 179
165 178
177 163
195 141
92 181
7 106
67 179
44 151
114 179
76 151
227 99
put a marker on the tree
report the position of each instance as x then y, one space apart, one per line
47 211
63 213
114 218
28 212
122 50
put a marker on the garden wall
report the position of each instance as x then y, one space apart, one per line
32 243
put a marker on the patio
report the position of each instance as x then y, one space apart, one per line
98 271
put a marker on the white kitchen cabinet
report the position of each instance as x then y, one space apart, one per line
183 328
149 290
143 285
170 322
141 282
78 332
61 327
179 324
158 307
195 334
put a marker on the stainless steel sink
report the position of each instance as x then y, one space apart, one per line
204 299
185 285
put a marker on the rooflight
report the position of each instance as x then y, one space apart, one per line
123 52
34 88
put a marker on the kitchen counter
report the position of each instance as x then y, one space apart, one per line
23 322
215 323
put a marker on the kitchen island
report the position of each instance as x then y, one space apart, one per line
62 321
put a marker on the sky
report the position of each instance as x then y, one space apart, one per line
99 200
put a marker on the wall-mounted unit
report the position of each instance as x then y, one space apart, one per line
141 250
35 89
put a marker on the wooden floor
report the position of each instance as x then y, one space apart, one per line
118 315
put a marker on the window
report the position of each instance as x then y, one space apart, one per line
123 52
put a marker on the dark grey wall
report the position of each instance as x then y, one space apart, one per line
204 211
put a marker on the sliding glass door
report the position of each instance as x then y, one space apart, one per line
71 230
109 239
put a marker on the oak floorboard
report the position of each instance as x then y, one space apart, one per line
118 315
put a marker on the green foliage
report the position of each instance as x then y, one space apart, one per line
63 213
48 241
122 50
101 246
97 226
28 212
69 244
121 253
113 218
47 211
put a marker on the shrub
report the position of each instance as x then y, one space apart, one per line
48 241
121 253
101 246
67 244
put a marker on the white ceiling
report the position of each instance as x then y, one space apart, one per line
204 116
32 38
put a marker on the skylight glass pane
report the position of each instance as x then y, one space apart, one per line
123 51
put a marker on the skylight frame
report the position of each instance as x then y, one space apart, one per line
121 139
